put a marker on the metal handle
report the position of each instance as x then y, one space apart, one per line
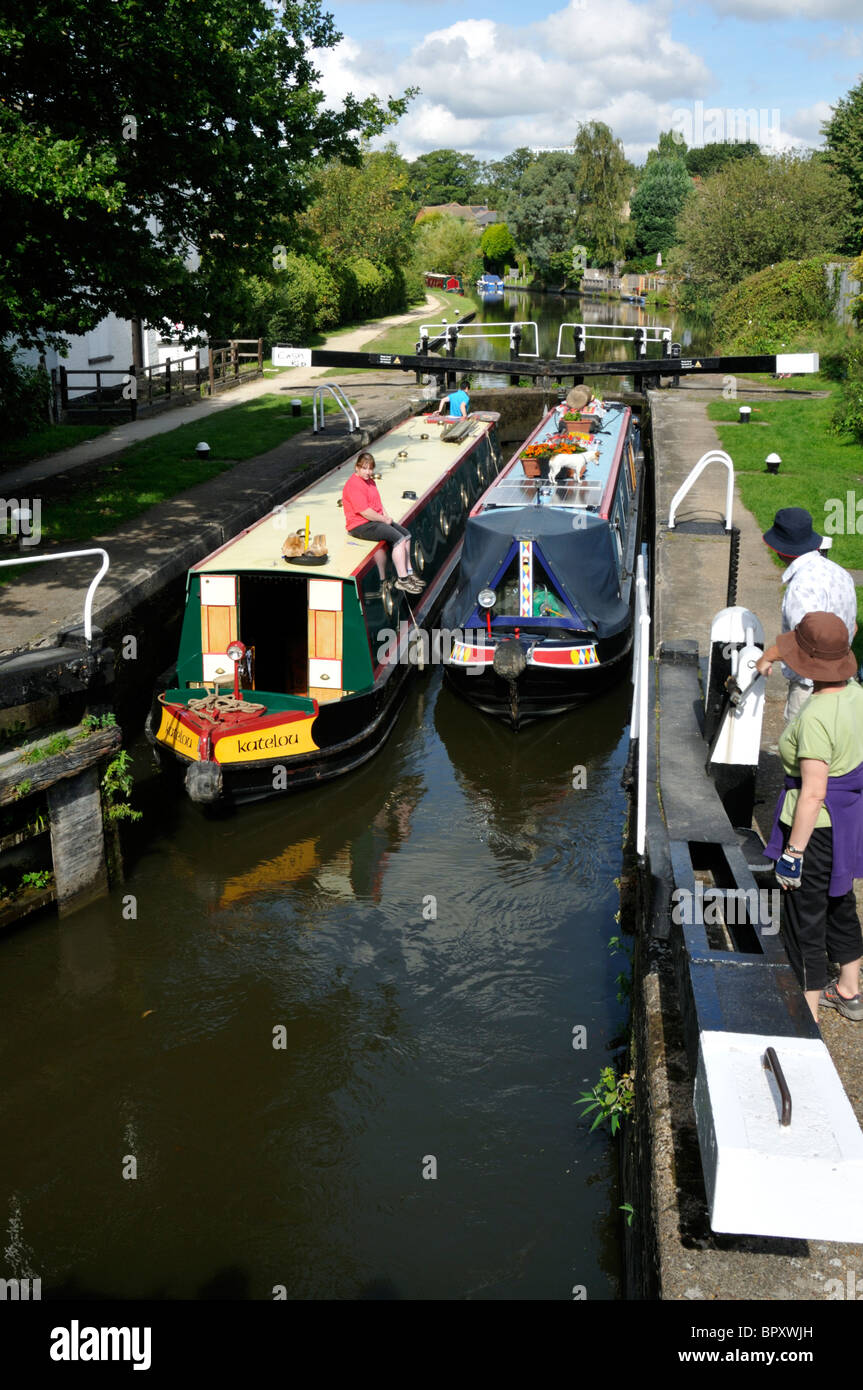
771 1063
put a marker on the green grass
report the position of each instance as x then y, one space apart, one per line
817 466
806 381
157 469
49 440
405 337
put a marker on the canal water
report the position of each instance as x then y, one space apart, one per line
325 1046
548 312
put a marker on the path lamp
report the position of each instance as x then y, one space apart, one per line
202 450
296 407
745 412
236 652
773 461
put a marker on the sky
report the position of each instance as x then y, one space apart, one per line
493 77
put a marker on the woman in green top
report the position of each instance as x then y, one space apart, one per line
818 834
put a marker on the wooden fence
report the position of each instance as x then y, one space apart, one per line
98 391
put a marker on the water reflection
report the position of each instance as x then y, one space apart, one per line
550 311
314 998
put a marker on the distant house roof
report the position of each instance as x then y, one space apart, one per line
479 213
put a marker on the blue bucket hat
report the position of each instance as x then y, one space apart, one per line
792 533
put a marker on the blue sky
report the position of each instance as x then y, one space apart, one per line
495 76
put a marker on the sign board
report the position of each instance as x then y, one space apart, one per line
291 356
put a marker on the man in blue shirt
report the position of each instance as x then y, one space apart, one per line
459 404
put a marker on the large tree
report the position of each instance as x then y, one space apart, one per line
446 176
756 212
542 212
363 210
705 160
496 245
504 175
671 145
448 246
844 136
137 140
604 178
656 203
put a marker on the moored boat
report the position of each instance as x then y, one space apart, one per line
288 672
546 582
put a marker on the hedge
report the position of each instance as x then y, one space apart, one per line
767 310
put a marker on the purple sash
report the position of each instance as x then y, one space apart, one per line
844 802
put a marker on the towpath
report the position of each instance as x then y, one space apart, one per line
16 481
691 573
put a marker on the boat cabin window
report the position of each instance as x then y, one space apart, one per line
547 600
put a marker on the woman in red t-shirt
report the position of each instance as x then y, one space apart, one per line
366 518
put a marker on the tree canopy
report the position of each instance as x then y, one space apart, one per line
705 160
542 212
756 212
496 244
147 151
671 145
604 179
656 203
446 176
844 136
364 209
448 245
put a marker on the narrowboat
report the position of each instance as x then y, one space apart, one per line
294 657
546 582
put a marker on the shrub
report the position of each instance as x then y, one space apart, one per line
770 308
24 396
848 409
307 301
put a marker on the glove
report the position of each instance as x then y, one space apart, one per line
789 869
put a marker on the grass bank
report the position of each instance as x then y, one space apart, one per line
819 470
48 440
77 506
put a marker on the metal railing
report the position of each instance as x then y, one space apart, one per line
342 402
453 331
621 333
638 727
712 456
72 555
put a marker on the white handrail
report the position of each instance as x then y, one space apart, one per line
342 402
638 727
72 555
461 329
625 329
712 456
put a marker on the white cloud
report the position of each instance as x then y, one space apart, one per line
804 125
489 87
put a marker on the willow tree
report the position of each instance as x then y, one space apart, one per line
604 179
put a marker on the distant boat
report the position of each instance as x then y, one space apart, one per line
545 592
490 284
451 283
